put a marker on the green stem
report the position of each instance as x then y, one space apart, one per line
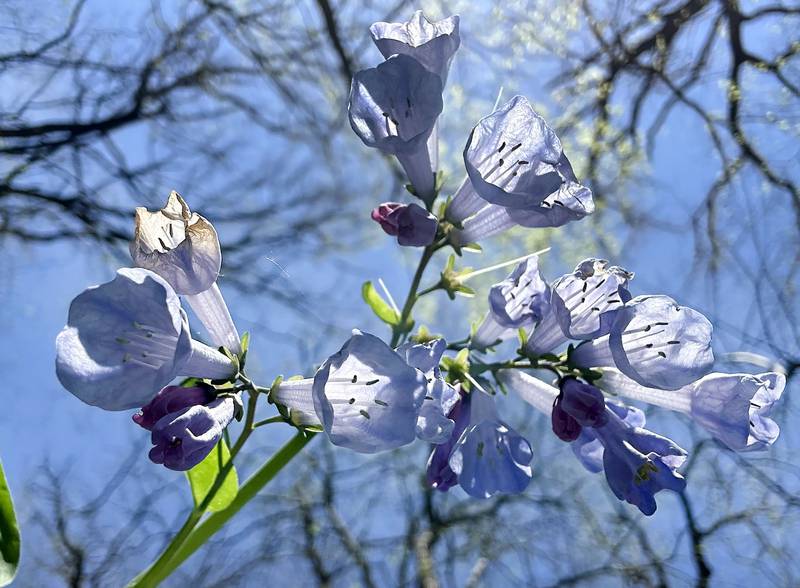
192 540
412 297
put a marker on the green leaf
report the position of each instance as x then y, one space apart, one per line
203 475
378 305
9 534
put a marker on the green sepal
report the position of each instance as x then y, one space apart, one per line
379 306
245 343
438 181
423 335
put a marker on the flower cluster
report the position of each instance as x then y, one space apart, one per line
127 340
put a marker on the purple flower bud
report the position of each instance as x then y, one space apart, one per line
384 217
170 399
184 438
410 223
565 426
583 402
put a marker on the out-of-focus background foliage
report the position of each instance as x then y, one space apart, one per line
683 117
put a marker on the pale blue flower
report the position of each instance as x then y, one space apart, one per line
583 305
184 438
182 247
394 108
733 408
438 473
433 425
432 44
365 396
518 301
517 174
128 338
490 458
655 342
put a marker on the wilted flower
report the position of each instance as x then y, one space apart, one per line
182 247
432 44
410 223
366 397
171 399
184 438
179 245
655 342
518 301
394 107
734 408
490 458
126 339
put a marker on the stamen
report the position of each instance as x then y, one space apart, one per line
364 413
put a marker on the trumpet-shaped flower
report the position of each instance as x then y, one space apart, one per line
126 339
171 399
638 464
589 449
733 408
587 300
433 425
583 305
521 300
410 223
438 473
570 202
182 247
182 439
365 396
490 458
655 342
394 108
515 161
432 44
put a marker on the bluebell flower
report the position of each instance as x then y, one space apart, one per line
582 305
128 338
733 408
365 396
655 342
519 301
394 108
438 474
517 174
410 223
490 458
432 44
182 439
433 424
571 202
638 463
182 247
589 449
